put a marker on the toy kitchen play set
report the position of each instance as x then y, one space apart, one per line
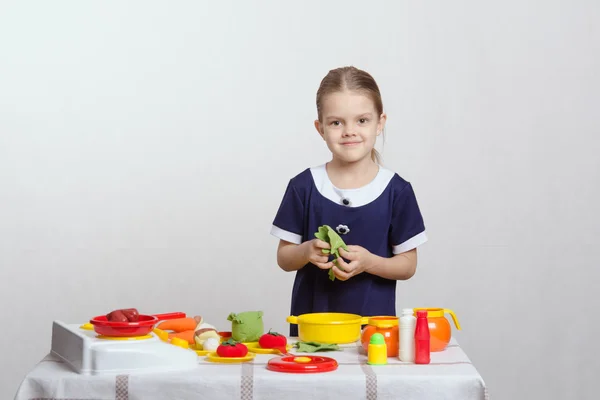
125 341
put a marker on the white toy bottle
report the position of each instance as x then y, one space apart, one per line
408 323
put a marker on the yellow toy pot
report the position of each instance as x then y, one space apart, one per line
329 328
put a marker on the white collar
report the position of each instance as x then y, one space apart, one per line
356 197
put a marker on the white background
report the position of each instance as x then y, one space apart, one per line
145 147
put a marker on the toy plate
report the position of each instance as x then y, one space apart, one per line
214 357
302 364
199 350
254 347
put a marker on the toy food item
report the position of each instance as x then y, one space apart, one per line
231 348
123 315
131 314
185 335
313 347
178 324
116 316
329 235
246 326
210 344
272 340
193 330
204 331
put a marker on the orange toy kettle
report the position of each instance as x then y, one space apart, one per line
388 327
439 327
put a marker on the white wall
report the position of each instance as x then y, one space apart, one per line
145 147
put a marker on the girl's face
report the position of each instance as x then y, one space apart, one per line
350 125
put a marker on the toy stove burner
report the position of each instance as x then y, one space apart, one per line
90 327
102 337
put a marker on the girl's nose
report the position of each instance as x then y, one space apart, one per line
349 131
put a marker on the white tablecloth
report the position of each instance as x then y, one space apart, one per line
450 375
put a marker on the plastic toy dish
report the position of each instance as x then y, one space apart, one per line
302 364
199 351
254 347
214 357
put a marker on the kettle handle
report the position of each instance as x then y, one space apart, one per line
448 311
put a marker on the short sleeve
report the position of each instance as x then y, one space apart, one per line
407 228
289 220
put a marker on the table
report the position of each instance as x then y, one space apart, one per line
450 375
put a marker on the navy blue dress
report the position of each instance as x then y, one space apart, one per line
382 217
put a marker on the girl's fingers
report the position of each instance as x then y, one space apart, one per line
319 259
321 244
344 265
324 265
341 275
348 255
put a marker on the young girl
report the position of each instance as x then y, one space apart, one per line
373 210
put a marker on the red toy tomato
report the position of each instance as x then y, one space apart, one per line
272 340
231 348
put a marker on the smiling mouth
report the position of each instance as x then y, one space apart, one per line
351 143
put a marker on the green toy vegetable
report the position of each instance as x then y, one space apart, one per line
329 235
313 347
246 326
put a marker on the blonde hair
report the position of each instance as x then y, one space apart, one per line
350 78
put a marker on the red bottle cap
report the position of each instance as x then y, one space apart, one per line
422 313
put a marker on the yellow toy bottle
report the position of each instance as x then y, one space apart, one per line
377 352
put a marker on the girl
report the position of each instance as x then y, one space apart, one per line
373 209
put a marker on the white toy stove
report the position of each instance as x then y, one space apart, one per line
91 354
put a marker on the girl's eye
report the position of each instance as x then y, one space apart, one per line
362 120
335 123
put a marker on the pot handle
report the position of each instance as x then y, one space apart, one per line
171 315
292 319
364 320
447 311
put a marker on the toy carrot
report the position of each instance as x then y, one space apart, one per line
185 335
178 324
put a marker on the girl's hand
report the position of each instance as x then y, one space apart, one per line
313 252
361 260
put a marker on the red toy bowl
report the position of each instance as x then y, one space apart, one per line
142 327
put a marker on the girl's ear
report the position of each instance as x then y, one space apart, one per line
381 123
318 127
